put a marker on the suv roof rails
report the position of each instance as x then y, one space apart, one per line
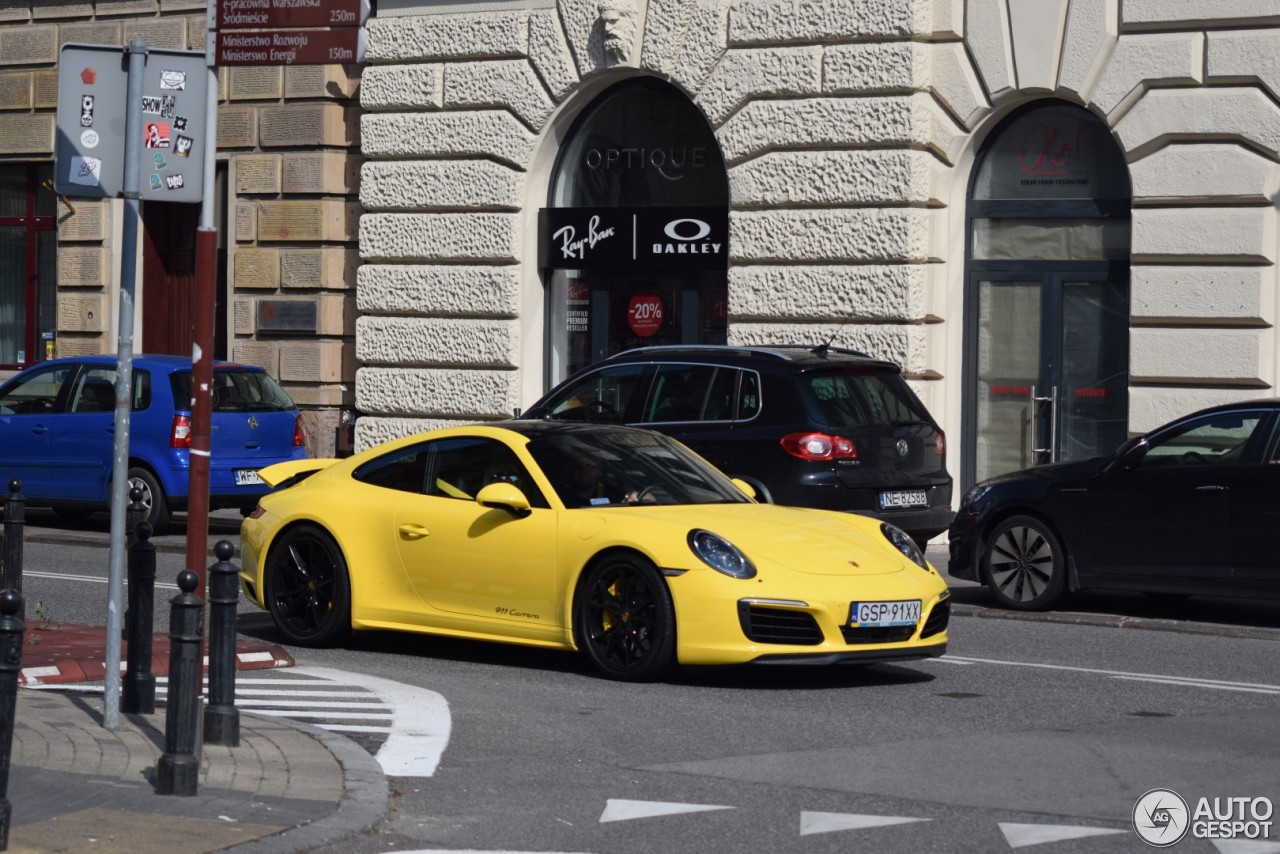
704 348
777 351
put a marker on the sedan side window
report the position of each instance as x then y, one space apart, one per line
1218 439
36 393
601 396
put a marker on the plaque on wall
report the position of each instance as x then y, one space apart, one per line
287 316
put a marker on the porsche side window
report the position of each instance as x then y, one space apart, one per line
460 468
404 469
602 396
1218 439
36 393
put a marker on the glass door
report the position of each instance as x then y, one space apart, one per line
1050 376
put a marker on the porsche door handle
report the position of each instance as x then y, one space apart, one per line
1213 487
413 531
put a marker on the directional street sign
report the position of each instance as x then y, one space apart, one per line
290 47
252 14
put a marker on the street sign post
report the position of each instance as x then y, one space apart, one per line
90 152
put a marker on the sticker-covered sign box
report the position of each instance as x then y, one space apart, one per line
93 87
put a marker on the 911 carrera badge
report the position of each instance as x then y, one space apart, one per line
902 447
253 423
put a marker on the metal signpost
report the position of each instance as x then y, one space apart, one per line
124 113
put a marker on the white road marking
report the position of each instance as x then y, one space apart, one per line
1246 846
1189 681
828 822
623 810
62 576
1023 835
421 721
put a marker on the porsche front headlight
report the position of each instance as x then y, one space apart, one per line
903 543
720 554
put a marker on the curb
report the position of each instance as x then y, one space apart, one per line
365 800
1113 621
90 667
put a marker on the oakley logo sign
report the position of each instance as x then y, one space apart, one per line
687 237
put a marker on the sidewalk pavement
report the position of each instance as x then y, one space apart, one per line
75 785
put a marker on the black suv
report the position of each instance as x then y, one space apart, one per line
810 427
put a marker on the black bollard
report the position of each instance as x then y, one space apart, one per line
221 717
14 508
11 628
139 692
135 513
178 770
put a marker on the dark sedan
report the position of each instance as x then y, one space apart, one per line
1190 508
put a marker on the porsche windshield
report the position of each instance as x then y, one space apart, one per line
605 467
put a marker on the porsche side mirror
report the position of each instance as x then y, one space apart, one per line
745 487
504 496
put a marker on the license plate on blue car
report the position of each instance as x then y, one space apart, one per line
246 477
884 614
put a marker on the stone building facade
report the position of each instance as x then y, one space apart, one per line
892 188
287 212
1068 200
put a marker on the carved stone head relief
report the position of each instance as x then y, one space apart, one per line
618 28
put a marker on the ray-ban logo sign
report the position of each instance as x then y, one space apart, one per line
634 238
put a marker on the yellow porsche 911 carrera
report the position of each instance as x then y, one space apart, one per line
618 542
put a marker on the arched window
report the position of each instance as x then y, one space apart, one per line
634 240
1047 293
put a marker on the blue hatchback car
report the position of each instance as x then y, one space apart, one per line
57 433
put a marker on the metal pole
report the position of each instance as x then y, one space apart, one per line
139 682
11 628
202 321
221 717
178 771
136 51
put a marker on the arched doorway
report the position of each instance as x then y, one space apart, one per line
1046 371
633 243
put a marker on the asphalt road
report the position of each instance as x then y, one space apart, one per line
1032 728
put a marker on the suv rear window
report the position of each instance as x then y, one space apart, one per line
236 391
865 399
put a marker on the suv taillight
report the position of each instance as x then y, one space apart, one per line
180 434
299 438
940 443
819 446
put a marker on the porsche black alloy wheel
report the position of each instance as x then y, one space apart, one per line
624 619
307 588
1024 564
